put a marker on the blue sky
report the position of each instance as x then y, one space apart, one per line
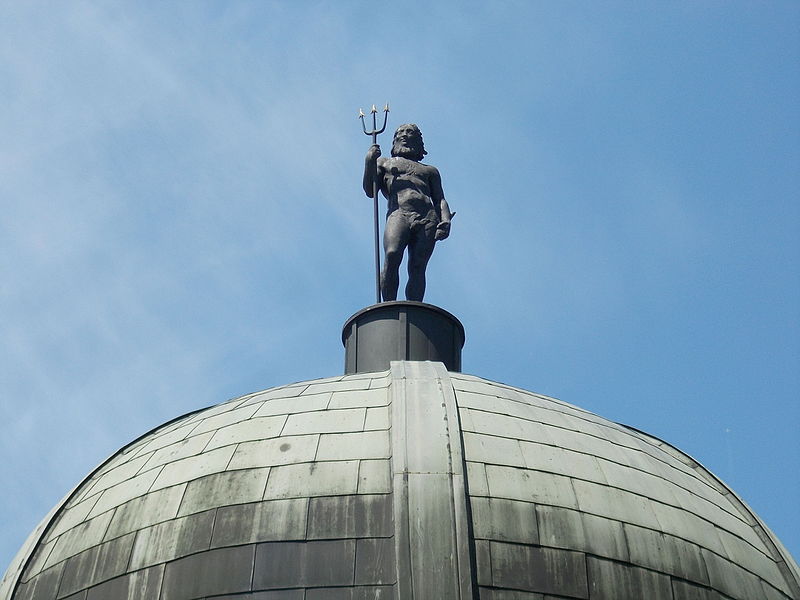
182 219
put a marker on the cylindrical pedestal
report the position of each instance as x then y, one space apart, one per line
379 334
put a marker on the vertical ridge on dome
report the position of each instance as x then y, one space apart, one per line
431 523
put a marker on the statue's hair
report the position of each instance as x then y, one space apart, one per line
421 153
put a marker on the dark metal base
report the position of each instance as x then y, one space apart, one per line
381 333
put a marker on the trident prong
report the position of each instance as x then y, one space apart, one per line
374 133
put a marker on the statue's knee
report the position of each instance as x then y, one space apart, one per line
394 258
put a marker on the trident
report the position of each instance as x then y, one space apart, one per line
374 133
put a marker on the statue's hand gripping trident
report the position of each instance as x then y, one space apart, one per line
374 133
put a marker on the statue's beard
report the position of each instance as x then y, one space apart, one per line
405 151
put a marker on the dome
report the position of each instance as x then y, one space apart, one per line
414 482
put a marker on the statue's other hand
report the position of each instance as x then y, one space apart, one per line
373 153
442 231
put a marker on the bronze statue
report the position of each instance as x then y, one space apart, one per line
417 215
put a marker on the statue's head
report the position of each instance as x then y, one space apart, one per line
407 142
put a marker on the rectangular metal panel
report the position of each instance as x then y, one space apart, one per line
260 521
304 564
217 572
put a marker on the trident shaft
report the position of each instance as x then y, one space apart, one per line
374 133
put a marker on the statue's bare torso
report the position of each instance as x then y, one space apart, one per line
410 186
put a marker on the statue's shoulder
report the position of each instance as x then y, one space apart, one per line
429 168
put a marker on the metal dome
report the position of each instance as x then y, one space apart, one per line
410 483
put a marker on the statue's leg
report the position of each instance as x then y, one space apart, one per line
395 239
420 249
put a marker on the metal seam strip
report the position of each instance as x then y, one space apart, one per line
467 573
430 506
